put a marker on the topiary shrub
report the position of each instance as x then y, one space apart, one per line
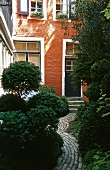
29 141
42 118
13 131
21 77
11 102
58 104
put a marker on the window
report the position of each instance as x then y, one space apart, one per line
37 8
28 51
37 5
65 8
32 8
61 6
71 49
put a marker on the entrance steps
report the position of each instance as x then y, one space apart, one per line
74 103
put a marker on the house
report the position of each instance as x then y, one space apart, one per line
42 34
6 42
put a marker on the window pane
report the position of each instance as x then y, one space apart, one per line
75 48
36 5
69 48
39 5
20 46
33 46
68 68
68 62
19 57
34 58
62 6
33 5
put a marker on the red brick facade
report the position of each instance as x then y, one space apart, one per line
53 36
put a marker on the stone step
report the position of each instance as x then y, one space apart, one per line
74 106
74 103
73 110
74 99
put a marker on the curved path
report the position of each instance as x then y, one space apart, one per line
70 158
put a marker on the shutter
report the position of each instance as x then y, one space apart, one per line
23 7
72 8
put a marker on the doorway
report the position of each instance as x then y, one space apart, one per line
70 90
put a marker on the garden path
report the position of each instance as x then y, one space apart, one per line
70 158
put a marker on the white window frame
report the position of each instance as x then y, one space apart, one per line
42 51
54 8
63 65
44 11
68 9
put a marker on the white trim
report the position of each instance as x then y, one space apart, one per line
54 11
5 28
44 12
42 50
63 65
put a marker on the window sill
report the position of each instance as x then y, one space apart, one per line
35 17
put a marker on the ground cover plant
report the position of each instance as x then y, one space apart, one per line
28 135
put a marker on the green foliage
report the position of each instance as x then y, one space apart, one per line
11 102
99 69
97 160
42 118
21 77
51 100
107 11
29 141
104 106
105 85
47 89
37 14
41 153
93 92
94 129
93 36
61 15
13 131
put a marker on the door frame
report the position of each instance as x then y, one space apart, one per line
63 66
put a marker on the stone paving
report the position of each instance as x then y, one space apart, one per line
70 158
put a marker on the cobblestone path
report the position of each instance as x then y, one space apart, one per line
70 158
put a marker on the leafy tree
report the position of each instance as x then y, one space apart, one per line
94 42
21 77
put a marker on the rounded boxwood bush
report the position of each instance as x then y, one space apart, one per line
42 118
58 104
11 102
21 77
29 141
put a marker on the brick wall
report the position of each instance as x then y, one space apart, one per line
53 36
